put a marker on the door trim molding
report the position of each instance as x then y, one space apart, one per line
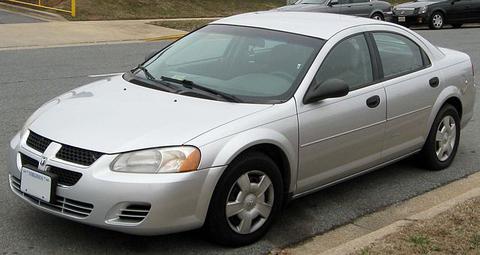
342 134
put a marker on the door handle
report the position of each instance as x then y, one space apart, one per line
434 82
373 102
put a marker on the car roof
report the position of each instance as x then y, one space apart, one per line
320 25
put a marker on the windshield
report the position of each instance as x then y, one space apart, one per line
311 2
251 64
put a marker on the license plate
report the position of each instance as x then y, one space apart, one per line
38 184
401 19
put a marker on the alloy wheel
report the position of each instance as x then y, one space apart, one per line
437 21
249 202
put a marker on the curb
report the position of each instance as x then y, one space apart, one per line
164 38
32 13
353 237
361 242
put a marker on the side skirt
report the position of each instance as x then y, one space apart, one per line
294 196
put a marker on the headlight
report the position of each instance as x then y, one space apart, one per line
423 9
161 160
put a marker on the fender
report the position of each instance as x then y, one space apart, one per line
376 10
231 147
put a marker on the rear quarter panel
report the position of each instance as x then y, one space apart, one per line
456 80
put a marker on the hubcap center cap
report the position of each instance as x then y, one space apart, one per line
250 201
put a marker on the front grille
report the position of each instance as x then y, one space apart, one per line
134 213
68 153
64 177
37 142
28 161
76 155
62 205
404 12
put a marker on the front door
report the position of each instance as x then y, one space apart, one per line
342 136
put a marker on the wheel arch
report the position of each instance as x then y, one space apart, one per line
375 11
274 144
450 95
444 13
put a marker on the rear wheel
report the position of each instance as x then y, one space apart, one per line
246 200
436 20
377 16
442 142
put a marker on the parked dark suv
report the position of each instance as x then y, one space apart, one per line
364 8
437 13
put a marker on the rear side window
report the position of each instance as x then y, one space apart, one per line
399 55
349 61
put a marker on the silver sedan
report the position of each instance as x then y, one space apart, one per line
224 126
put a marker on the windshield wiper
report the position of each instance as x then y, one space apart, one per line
146 72
152 78
192 85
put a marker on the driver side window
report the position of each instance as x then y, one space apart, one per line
349 61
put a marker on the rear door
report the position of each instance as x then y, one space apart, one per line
361 8
341 7
411 89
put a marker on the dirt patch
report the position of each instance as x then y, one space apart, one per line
456 231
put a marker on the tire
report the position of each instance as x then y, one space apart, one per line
437 20
457 25
232 230
377 16
440 139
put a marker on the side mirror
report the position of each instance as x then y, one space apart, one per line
151 54
330 88
332 2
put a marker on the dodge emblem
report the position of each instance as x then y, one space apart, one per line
43 161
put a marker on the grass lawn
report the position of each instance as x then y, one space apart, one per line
456 231
155 9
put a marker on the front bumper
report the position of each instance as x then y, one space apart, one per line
388 16
416 19
162 203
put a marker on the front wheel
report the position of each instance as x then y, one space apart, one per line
442 142
436 20
246 200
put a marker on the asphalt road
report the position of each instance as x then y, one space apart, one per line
7 17
31 77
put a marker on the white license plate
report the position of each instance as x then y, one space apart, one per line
401 19
37 184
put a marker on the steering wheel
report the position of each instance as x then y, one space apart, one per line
284 75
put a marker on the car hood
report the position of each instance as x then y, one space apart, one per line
414 4
303 8
113 116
